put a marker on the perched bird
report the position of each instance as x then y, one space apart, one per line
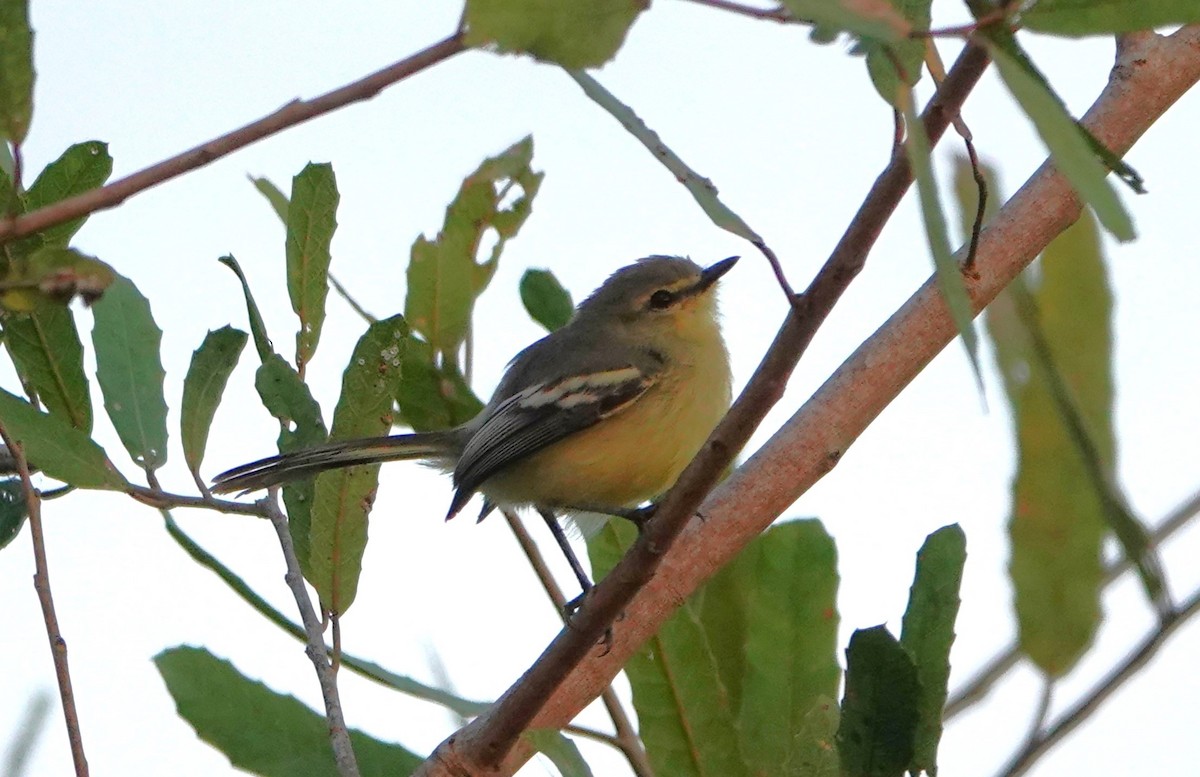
599 416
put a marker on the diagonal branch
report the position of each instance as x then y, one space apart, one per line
295 112
545 695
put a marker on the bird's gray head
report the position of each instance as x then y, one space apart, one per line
656 288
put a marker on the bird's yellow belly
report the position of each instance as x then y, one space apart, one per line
626 459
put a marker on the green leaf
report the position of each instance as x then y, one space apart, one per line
16 70
946 267
82 167
683 711
1055 348
574 35
432 397
57 448
130 372
721 604
342 498
561 751
897 65
546 301
312 219
279 201
879 707
262 731
816 753
13 510
791 642
702 189
52 276
48 355
1076 18
288 399
928 633
876 19
207 375
444 278
258 329
1068 143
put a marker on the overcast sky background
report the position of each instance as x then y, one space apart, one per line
792 133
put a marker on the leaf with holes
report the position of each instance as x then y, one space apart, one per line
130 372
342 498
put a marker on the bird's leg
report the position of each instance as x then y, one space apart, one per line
585 582
638 516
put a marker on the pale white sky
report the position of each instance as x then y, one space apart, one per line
793 135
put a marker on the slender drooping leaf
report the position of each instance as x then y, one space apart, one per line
895 66
16 70
312 219
279 201
545 299
432 397
561 751
203 386
946 267
342 498
701 188
368 669
1069 145
573 35
879 707
130 372
48 355
288 399
259 730
57 448
684 714
13 509
1063 369
258 330
81 167
1076 19
791 643
928 633
444 276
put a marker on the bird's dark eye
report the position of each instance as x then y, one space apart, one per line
661 299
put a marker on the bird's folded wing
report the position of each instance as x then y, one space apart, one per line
543 414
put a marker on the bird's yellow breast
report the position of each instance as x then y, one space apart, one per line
637 453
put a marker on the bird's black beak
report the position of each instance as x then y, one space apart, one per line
712 274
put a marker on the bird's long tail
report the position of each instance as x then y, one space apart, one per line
436 447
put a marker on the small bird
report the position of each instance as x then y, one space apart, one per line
599 416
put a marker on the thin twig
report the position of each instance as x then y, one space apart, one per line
778 14
1141 655
1003 662
626 739
487 741
164 500
339 735
41 584
295 112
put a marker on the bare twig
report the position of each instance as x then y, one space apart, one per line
536 698
41 584
163 500
626 739
295 112
999 665
1040 745
778 14
339 735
